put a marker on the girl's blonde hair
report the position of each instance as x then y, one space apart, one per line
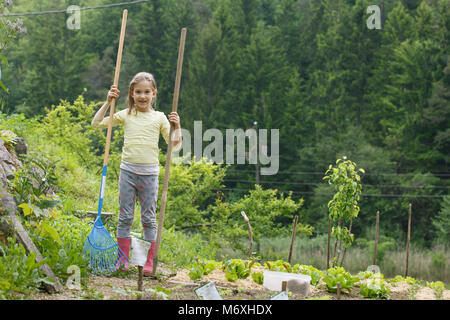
141 76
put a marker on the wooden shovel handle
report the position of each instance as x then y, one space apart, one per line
116 83
169 152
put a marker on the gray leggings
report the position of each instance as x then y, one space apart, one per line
146 189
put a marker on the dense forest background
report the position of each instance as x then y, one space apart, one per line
310 68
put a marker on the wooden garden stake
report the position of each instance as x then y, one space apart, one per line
339 291
376 238
283 285
293 238
407 241
328 250
169 152
140 281
250 233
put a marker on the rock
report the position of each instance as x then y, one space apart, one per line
21 146
8 165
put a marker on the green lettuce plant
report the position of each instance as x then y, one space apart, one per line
336 275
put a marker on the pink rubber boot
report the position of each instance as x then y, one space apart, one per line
148 267
124 245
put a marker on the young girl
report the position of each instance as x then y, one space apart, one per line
139 168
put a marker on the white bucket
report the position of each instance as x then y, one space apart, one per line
139 251
295 282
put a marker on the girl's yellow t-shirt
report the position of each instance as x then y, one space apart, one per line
141 133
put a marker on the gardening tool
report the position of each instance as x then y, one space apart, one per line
103 250
169 151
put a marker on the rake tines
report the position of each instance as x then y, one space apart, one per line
104 252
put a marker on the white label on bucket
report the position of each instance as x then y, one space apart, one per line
139 251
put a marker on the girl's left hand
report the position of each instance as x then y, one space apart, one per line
175 119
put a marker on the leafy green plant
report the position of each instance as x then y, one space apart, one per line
72 232
237 269
19 271
336 275
314 273
343 208
438 287
399 278
202 267
258 277
9 140
374 287
278 265
34 184
364 275
33 187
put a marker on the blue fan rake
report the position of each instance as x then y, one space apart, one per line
104 252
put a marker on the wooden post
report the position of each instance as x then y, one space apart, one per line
339 291
140 281
294 231
377 224
283 285
250 233
407 240
328 250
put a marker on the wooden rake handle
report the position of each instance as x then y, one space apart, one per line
169 151
116 83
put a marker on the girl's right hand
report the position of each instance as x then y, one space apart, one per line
113 93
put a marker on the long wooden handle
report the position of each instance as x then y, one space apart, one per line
169 151
116 83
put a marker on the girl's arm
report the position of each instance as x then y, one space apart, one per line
112 94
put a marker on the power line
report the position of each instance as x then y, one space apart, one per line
365 174
322 184
65 10
362 195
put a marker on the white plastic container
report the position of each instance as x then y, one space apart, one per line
298 283
139 251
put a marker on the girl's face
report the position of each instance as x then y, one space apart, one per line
143 94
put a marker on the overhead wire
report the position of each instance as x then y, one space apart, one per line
65 10
362 194
320 184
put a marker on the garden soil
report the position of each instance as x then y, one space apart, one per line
178 286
